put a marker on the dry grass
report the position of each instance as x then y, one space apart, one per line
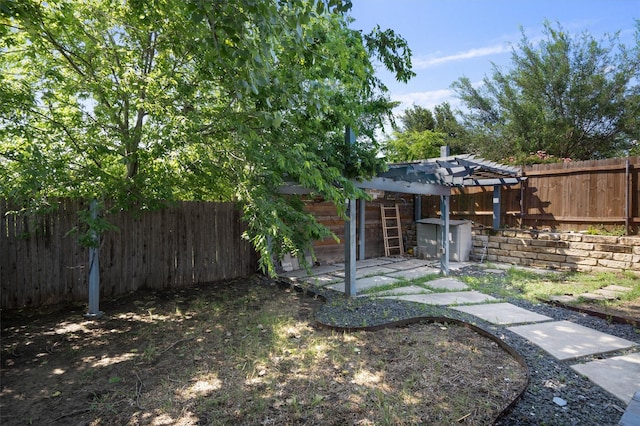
244 352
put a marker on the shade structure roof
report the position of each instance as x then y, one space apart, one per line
434 176
454 171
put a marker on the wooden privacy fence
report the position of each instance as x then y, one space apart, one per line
561 196
41 263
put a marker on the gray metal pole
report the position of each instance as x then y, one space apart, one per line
361 228
350 250
350 234
94 269
497 195
444 212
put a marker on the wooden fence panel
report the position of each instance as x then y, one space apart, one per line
328 250
565 196
41 263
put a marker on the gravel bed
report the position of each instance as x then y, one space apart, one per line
587 403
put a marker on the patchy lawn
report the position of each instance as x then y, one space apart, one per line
243 352
517 282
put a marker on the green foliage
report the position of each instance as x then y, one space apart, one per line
137 104
616 230
571 97
409 146
417 119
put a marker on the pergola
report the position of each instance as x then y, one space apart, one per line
435 176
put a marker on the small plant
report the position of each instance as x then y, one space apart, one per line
601 229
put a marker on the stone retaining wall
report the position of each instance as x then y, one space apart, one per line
565 251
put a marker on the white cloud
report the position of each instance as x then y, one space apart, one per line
427 99
422 63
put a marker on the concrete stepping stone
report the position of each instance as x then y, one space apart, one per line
409 264
503 313
631 416
564 298
566 340
410 289
322 280
411 274
365 263
319 270
608 294
450 298
369 271
366 283
592 296
618 288
619 375
447 284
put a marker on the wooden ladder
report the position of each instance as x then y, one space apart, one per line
391 231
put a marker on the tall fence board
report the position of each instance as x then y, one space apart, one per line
41 262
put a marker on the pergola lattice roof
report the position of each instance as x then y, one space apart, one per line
456 171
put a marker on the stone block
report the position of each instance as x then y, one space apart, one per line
600 255
551 257
549 236
613 248
630 241
507 259
578 260
510 247
622 257
613 264
581 246
573 252
601 239
498 239
571 237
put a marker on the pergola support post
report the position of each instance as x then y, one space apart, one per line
361 228
350 289
497 195
444 213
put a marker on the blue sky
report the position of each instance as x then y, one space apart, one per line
454 38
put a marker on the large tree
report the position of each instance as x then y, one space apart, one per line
569 96
139 103
423 133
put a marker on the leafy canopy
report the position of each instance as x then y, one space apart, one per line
423 133
567 96
142 102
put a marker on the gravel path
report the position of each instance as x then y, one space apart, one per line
587 403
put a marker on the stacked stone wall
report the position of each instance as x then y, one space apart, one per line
563 251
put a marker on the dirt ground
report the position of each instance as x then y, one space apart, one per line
242 352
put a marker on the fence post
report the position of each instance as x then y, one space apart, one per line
94 268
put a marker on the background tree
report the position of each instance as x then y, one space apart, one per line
571 97
417 119
423 133
140 103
